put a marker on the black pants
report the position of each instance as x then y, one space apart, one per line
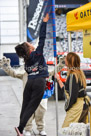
32 96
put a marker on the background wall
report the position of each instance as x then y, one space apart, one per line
9 22
9 25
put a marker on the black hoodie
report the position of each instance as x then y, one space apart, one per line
36 65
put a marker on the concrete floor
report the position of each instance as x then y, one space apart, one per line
10 104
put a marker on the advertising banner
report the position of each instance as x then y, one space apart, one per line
79 18
35 13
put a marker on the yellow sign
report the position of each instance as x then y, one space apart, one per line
79 18
87 43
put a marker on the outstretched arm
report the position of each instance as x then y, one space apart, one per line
42 35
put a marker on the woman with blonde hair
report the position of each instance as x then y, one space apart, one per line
76 100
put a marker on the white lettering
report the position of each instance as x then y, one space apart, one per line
39 24
34 73
32 24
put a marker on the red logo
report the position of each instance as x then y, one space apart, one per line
34 69
76 15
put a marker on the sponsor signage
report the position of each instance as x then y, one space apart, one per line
34 18
80 18
35 14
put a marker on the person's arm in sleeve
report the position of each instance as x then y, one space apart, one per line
73 92
42 35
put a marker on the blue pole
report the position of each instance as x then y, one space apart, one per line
54 27
55 58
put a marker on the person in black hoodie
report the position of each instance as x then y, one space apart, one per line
37 70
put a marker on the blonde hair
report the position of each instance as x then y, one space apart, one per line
73 64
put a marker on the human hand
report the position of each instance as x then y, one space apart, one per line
57 77
59 81
46 18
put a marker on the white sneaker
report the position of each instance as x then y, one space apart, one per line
43 133
26 133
